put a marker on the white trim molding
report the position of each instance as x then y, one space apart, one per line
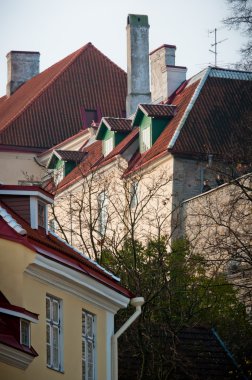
77 283
18 314
14 357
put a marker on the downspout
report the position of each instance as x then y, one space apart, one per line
137 303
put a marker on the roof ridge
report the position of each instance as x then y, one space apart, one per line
189 107
42 90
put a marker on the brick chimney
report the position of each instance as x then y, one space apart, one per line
165 76
137 62
22 66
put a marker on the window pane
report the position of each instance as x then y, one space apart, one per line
48 334
90 326
53 329
25 333
47 308
48 355
88 349
55 311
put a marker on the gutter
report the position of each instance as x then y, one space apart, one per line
137 302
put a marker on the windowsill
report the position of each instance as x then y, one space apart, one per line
56 370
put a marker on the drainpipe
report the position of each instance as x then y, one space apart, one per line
137 303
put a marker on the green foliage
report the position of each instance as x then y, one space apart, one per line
179 292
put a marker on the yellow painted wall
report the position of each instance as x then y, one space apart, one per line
26 291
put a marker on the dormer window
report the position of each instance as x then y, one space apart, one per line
31 202
112 131
108 145
25 332
152 119
62 162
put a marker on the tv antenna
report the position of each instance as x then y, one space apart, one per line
215 45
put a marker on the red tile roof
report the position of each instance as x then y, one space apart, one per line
56 249
118 124
215 122
158 110
71 155
48 108
209 109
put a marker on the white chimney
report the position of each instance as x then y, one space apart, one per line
165 76
137 62
22 66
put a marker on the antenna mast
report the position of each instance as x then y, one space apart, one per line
215 45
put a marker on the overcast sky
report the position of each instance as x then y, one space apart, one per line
56 28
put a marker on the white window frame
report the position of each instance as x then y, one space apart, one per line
25 332
54 333
102 212
108 146
146 138
88 346
42 223
133 194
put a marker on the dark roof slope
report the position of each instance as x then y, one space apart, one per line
49 108
217 118
192 353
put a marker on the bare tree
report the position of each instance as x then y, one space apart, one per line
241 18
104 209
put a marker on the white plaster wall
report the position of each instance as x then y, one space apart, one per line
15 166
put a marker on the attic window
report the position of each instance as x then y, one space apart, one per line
41 214
90 116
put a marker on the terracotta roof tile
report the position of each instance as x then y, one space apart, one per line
118 124
158 110
216 120
71 155
48 108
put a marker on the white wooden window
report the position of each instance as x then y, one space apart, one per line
88 346
54 333
108 145
146 138
102 212
133 194
25 332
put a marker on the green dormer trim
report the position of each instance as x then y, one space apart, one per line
152 120
63 162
